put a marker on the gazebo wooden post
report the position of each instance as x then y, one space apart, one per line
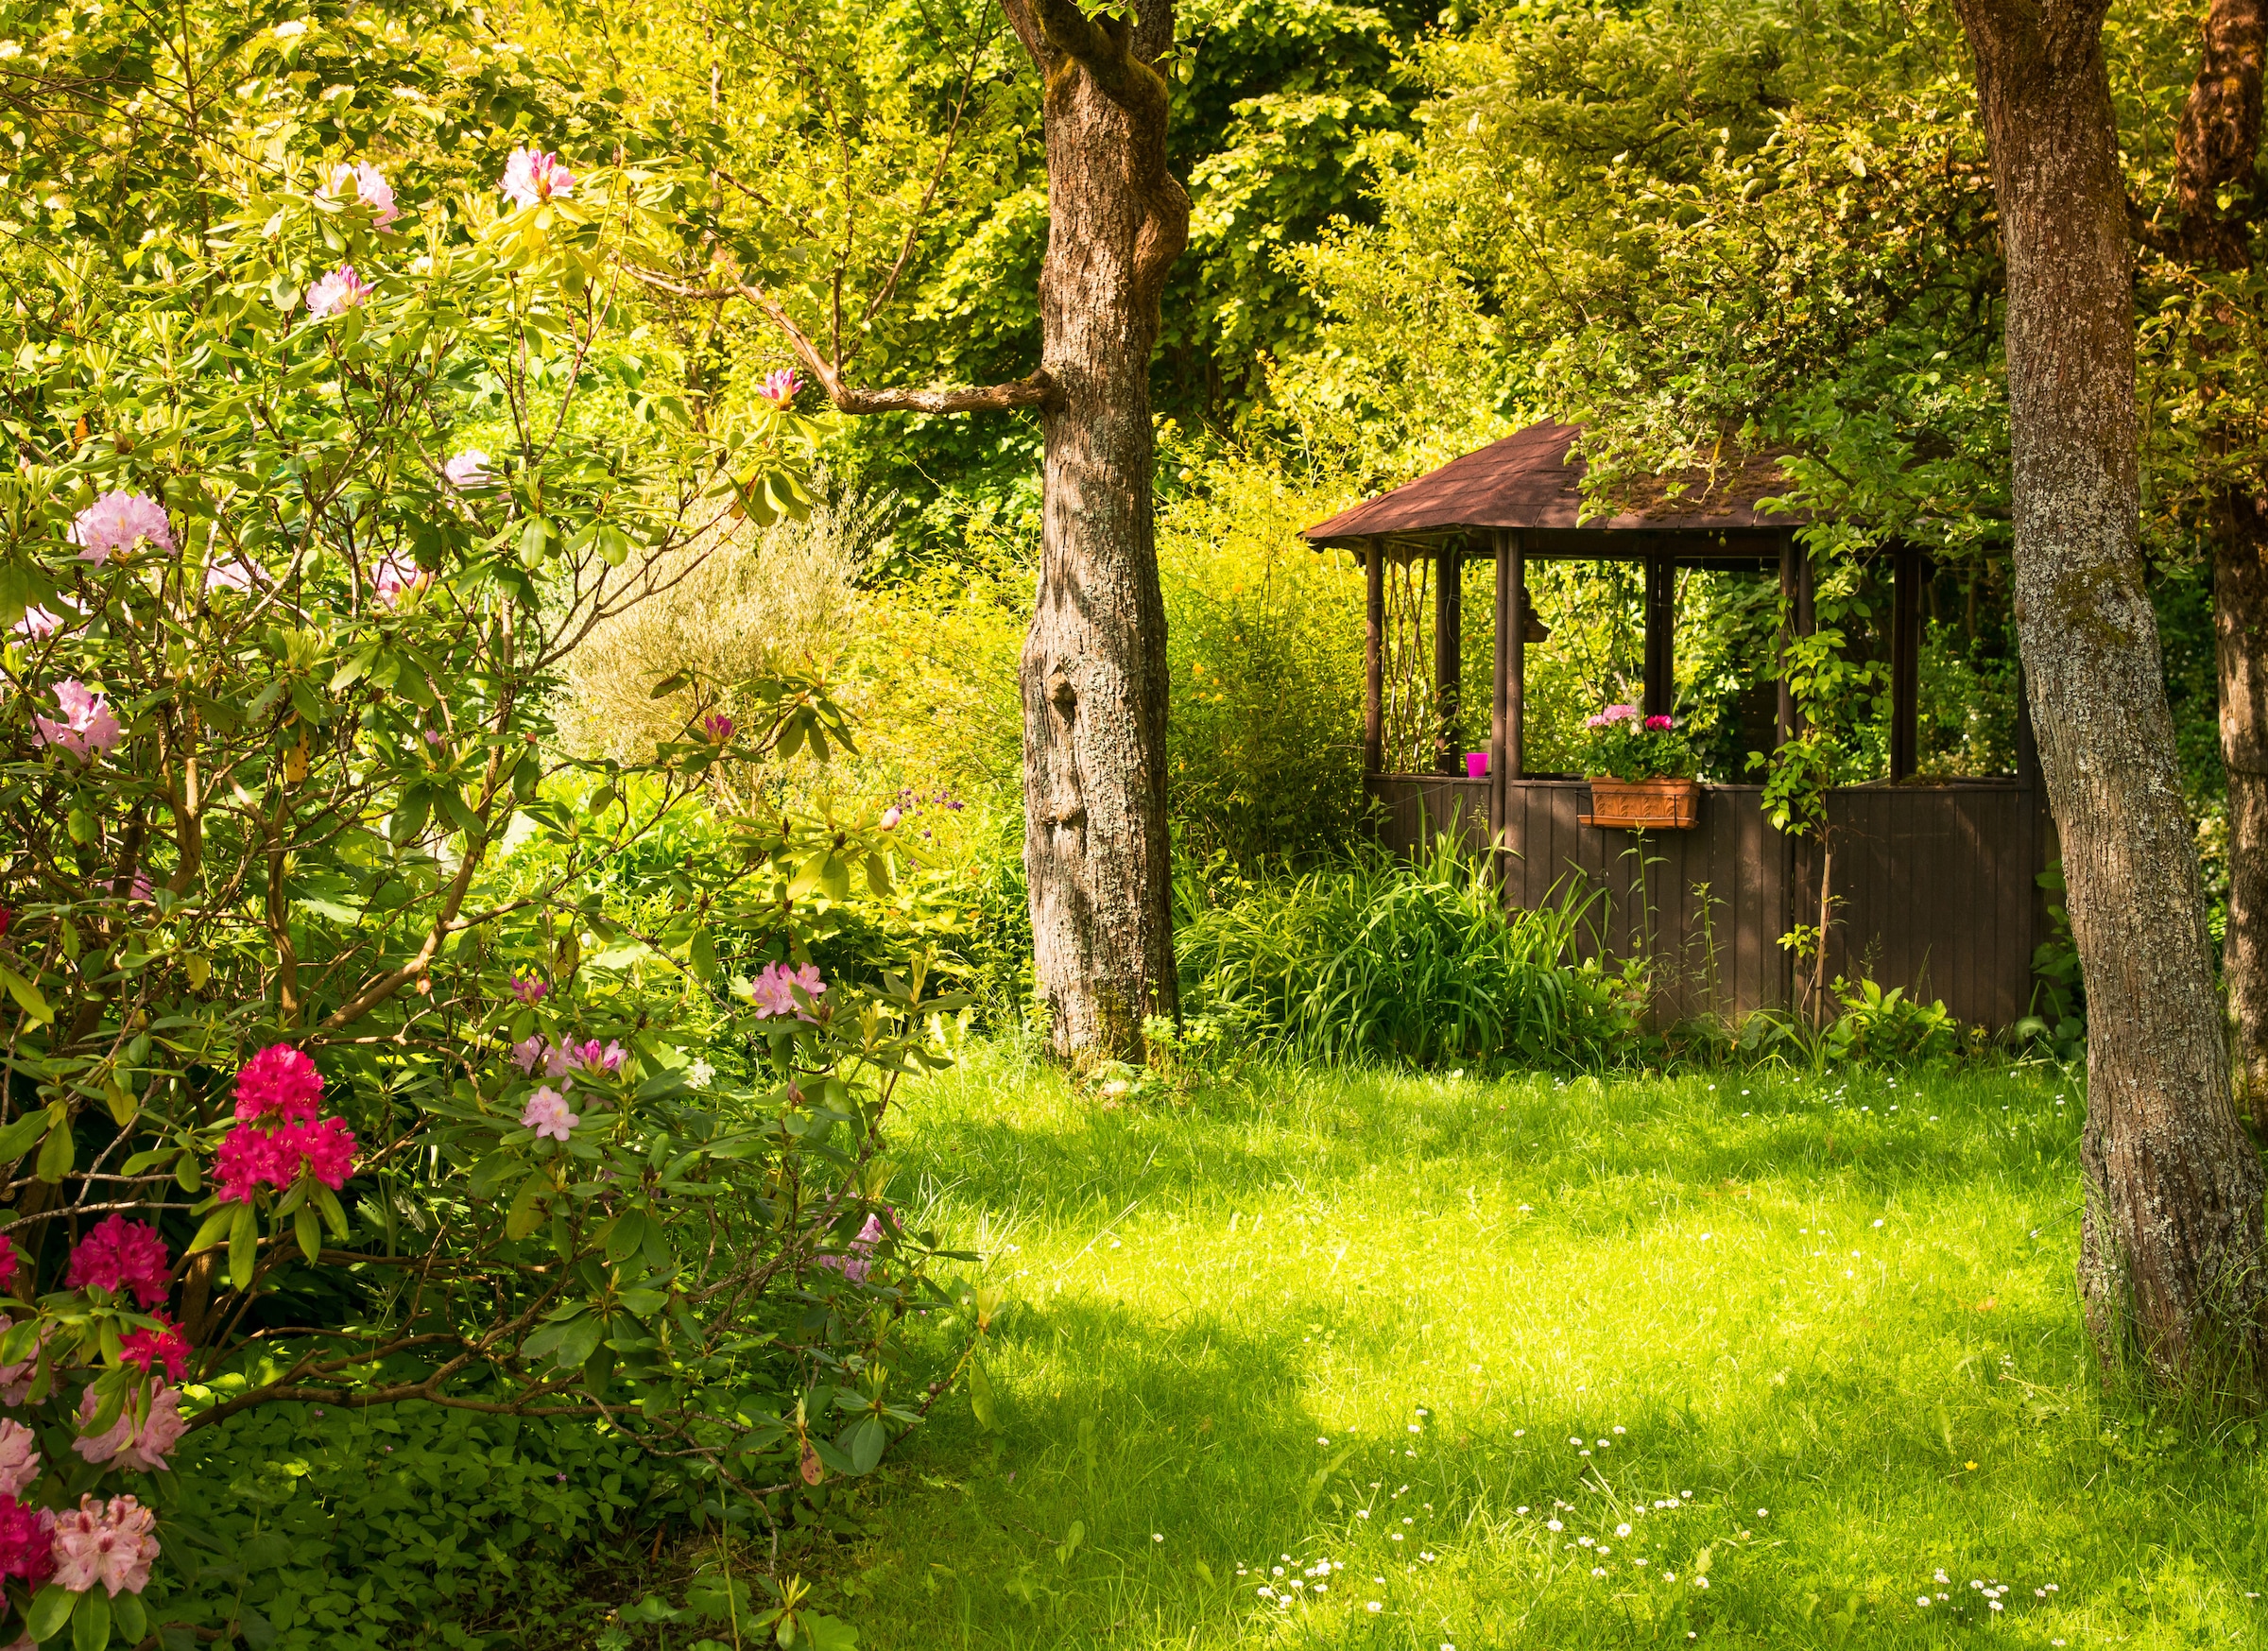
1449 643
1905 660
1507 646
1795 593
1661 626
1374 659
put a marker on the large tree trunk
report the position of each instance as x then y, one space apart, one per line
1093 673
2172 1227
2216 147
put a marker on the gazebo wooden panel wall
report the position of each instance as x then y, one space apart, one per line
1933 882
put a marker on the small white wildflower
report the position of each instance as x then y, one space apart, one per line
1552 1525
1157 1536
1622 1530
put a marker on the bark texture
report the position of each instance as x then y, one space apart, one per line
2215 148
1094 670
2170 1245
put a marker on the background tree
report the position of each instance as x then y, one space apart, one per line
2170 1243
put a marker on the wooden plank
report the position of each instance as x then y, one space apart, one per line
1374 657
1448 635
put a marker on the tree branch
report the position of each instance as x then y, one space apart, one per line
1034 391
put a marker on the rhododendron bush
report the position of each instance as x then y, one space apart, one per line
335 1072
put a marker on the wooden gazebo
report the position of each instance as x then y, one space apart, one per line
1933 882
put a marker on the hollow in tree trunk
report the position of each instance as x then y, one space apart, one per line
1093 672
2171 1237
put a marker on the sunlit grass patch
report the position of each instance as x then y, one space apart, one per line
1355 1359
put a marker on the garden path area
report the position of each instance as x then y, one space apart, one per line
1305 1362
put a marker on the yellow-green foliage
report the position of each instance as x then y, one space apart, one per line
1265 641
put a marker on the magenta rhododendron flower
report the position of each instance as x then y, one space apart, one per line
112 1545
531 176
167 1345
325 1149
121 1255
780 386
591 1058
717 726
246 1161
547 1115
342 289
366 183
469 468
281 1081
529 990
12 1259
774 991
26 1542
396 576
1660 724
119 521
88 726
18 1457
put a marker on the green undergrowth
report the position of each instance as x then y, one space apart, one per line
1817 1338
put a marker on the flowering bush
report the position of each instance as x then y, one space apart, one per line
1624 743
335 1068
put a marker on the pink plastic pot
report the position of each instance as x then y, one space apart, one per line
1476 765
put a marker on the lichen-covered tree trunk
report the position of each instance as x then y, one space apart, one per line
1093 671
2170 1240
2241 646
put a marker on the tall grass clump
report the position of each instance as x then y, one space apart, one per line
1387 958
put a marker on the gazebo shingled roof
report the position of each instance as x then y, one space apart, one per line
1527 482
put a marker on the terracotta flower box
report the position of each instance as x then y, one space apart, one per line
1653 806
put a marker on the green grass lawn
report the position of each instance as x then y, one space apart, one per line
1353 1359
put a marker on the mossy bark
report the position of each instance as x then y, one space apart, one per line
1094 669
2170 1245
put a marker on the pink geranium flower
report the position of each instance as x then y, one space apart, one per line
774 991
531 176
342 289
88 726
1660 724
367 185
121 1255
119 521
18 1457
547 1115
137 1445
112 1545
780 386
281 1081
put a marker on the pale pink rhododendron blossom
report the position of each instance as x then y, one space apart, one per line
231 573
119 521
780 386
342 289
41 623
109 1544
890 816
87 728
469 468
531 176
856 1268
139 1447
18 1457
773 991
547 1115
396 576
366 183
591 1058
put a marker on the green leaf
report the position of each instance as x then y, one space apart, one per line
526 1212
49 1612
308 1227
703 953
864 1444
91 1620
15 1141
580 1341
26 995
980 1397
132 1621
58 1152
829 1634
334 1216
213 1229
244 1247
